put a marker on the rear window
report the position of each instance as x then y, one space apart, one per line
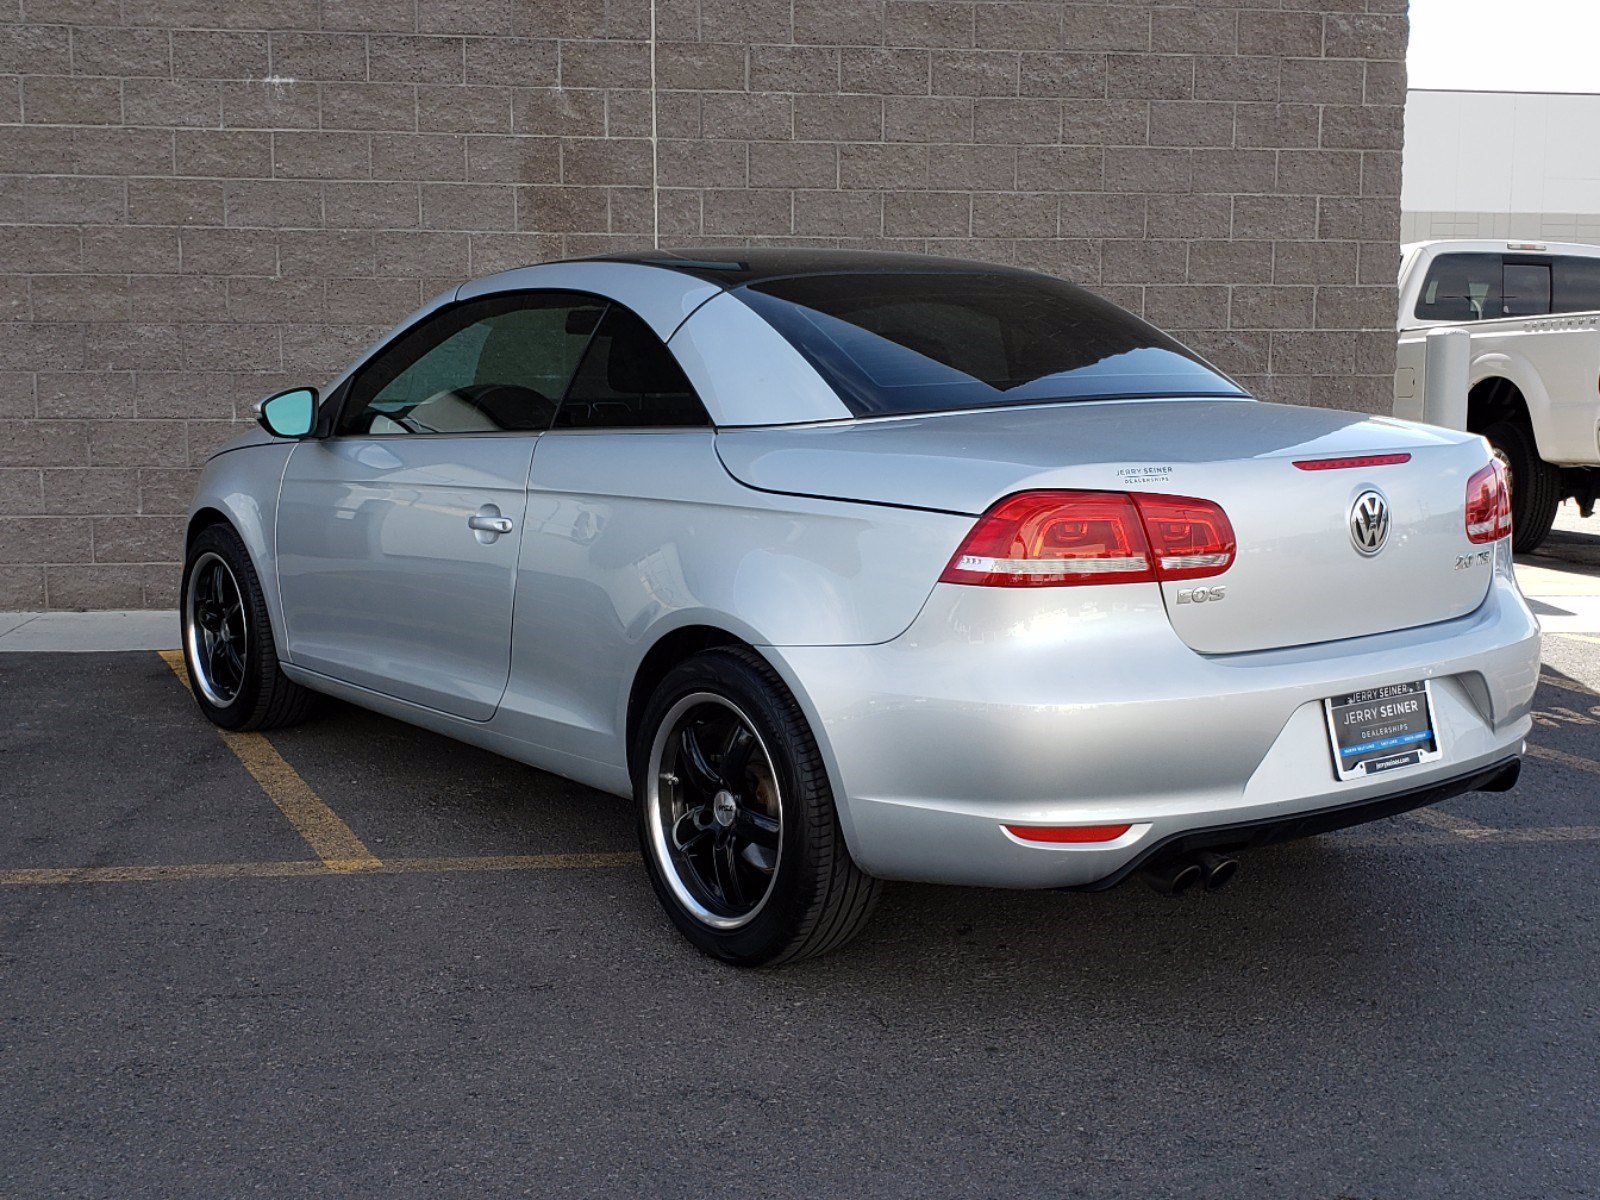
928 342
1481 287
1462 287
1577 285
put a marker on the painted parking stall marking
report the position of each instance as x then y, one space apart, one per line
341 854
334 842
37 876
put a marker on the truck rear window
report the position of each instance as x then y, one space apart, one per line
1461 287
1481 287
931 341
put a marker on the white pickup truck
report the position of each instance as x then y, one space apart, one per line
1532 312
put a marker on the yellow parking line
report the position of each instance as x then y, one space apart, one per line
1579 637
1567 685
36 876
334 842
1574 761
1572 833
266 870
1461 826
513 862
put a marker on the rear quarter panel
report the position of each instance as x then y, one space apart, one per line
631 535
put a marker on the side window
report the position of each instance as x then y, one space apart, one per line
1527 289
629 380
491 365
1461 287
1577 285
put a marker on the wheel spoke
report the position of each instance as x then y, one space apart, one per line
758 828
691 830
725 865
736 751
697 768
215 659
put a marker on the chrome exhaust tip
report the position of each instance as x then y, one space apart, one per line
1173 877
1216 869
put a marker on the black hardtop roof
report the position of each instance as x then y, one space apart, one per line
734 266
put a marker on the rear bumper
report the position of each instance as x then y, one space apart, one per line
1081 706
1268 831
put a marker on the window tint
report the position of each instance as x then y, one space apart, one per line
1577 285
1527 289
628 379
925 341
490 365
1461 287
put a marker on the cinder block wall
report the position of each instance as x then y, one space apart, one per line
202 201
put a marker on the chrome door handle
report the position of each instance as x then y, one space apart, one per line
487 524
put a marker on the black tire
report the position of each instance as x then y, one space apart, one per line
1535 485
255 694
817 899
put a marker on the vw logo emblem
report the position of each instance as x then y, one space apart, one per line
1369 522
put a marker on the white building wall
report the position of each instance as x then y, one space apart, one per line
1501 164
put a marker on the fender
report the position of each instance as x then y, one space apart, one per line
1524 376
242 484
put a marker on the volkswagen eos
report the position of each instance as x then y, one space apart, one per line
853 567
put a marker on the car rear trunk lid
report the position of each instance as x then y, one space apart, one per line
1299 576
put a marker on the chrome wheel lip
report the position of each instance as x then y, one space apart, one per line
660 820
194 634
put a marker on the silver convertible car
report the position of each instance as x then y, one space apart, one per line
853 567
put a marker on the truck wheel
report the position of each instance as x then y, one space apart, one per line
1535 485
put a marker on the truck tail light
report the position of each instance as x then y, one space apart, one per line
1057 539
1489 504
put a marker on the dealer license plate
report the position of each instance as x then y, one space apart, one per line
1382 729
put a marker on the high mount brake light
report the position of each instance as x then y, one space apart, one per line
1058 539
1489 504
1344 464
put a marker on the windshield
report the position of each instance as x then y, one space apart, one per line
928 342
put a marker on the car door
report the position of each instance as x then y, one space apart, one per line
398 534
627 472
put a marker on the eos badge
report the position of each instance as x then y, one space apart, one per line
1201 595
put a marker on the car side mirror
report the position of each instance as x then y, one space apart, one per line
291 414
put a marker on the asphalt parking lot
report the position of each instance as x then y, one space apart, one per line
357 959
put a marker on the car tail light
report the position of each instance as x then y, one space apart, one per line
1190 538
1055 539
1047 539
1072 834
1489 504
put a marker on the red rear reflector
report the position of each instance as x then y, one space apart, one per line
1344 464
1068 833
1055 539
1489 504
